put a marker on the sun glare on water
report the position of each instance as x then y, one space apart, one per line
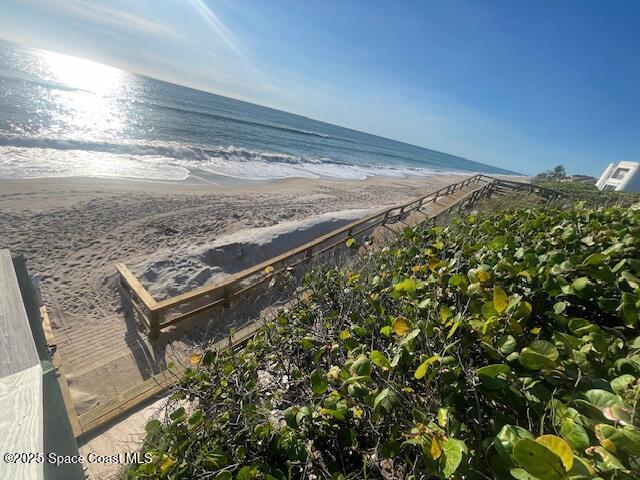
88 103
82 74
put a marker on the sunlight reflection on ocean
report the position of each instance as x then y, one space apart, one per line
65 116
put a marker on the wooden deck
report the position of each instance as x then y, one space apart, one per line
113 365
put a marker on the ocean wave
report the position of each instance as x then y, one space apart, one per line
28 157
227 118
175 150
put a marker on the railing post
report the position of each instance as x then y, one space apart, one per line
386 216
227 297
154 324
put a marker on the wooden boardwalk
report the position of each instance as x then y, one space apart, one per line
106 362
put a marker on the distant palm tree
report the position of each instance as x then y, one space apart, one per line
559 172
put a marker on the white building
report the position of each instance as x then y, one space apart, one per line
621 177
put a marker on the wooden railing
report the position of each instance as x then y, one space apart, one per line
157 315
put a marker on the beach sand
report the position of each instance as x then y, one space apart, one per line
72 231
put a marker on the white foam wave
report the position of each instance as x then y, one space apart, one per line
32 157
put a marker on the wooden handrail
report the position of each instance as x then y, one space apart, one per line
221 293
206 290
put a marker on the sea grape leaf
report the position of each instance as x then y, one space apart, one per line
538 460
319 382
247 473
581 286
421 371
538 355
575 435
614 439
621 383
494 370
558 446
408 285
483 276
508 436
600 398
500 299
453 450
506 344
401 326
379 359
386 400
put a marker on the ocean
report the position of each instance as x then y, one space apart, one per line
61 116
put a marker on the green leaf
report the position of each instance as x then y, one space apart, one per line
453 450
538 355
445 313
506 344
379 359
595 259
224 475
494 370
538 460
421 371
500 299
408 285
386 400
319 382
600 398
458 280
362 366
581 286
196 418
351 242
609 461
614 439
507 438
575 435
632 280
247 473
621 383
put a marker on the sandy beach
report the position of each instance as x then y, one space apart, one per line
73 230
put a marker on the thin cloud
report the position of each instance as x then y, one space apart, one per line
101 15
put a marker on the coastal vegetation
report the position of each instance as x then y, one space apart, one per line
502 344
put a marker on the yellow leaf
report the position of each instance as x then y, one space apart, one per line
608 444
401 326
435 450
558 446
407 390
334 373
166 465
535 330
357 412
194 358
433 264
268 269
421 371
483 276
500 299
524 274
416 268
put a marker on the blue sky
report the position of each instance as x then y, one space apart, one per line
520 85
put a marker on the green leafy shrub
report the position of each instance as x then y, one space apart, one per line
504 345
